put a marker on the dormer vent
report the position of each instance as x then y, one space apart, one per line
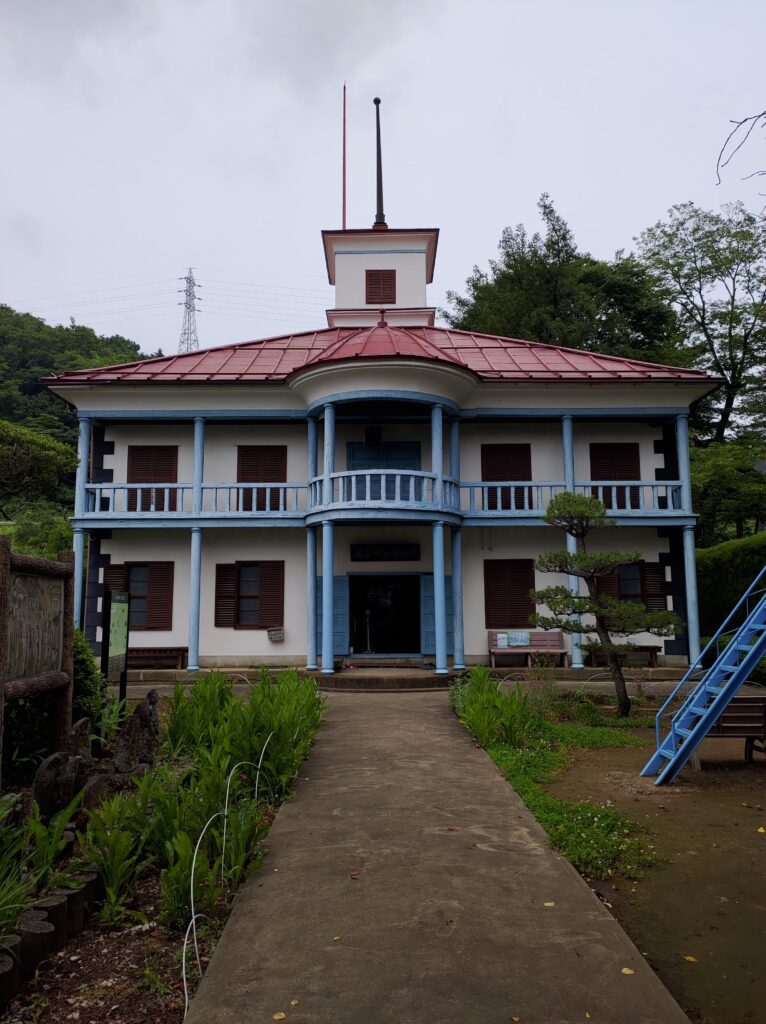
380 287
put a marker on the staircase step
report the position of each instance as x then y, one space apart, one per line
699 712
666 752
683 732
715 689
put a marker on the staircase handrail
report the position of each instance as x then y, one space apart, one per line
697 664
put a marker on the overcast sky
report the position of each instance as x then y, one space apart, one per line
143 136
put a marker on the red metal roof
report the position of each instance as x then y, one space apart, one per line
273 360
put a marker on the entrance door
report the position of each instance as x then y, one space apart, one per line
385 614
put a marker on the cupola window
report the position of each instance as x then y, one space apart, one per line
380 287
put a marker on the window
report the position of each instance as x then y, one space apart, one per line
616 461
641 583
507 462
250 595
150 585
262 464
380 287
152 464
507 586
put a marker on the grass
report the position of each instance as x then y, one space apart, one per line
529 733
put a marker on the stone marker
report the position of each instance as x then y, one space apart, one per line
148 741
126 748
56 782
78 741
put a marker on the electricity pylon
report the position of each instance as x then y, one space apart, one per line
189 341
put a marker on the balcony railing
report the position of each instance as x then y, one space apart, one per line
178 499
382 489
371 488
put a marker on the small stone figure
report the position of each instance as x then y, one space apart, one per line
126 747
56 782
78 741
148 741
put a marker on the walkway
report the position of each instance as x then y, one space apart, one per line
406 882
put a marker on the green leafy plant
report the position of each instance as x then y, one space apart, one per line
46 842
89 689
15 886
114 847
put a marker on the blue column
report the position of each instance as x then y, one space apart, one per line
567 437
437 452
328 565
454 450
195 572
80 506
329 451
78 546
311 450
199 463
692 605
311 597
682 447
458 660
440 599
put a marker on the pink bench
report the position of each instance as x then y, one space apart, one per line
541 641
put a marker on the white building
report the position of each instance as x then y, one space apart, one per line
373 487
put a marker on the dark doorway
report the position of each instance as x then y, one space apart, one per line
385 614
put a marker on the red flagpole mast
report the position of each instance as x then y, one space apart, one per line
344 157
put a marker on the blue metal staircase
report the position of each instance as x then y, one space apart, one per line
706 692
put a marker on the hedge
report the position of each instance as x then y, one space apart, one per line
724 572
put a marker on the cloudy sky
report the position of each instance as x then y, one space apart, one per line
143 136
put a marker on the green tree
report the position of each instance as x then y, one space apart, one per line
31 466
542 288
578 515
714 267
31 349
41 529
728 490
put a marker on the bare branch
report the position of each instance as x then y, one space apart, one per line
751 123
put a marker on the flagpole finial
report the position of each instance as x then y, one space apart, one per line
380 217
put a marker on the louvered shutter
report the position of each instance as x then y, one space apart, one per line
272 596
609 585
226 595
116 577
507 586
380 287
507 462
159 605
261 464
149 464
616 461
653 586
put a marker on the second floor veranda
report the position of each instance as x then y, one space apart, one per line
374 462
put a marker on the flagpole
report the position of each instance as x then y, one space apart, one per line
344 157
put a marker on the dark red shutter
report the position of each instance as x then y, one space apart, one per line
272 596
653 586
150 464
507 586
226 595
261 464
507 462
609 585
159 606
616 461
380 287
116 577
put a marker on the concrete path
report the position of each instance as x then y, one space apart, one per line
406 882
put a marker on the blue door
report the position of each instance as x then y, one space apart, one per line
428 617
340 614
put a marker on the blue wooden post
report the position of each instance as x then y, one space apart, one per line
567 436
329 451
195 573
328 566
311 596
692 605
437 452
682 447
458 660
199 463
440 599
311 448
454 450
80 507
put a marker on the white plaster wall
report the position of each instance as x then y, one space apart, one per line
221 443
544 438
345 536
194 398
345 432
350 284
123 435
587 433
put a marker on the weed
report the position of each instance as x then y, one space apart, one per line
46 842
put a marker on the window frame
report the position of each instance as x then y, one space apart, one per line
237 594
370 275
146 628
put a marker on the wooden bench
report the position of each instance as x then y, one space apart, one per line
641 654
158 657
744 718
541 641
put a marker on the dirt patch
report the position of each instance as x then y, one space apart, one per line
708 899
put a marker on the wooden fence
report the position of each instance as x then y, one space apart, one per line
36 626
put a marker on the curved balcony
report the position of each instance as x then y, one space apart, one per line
409 489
